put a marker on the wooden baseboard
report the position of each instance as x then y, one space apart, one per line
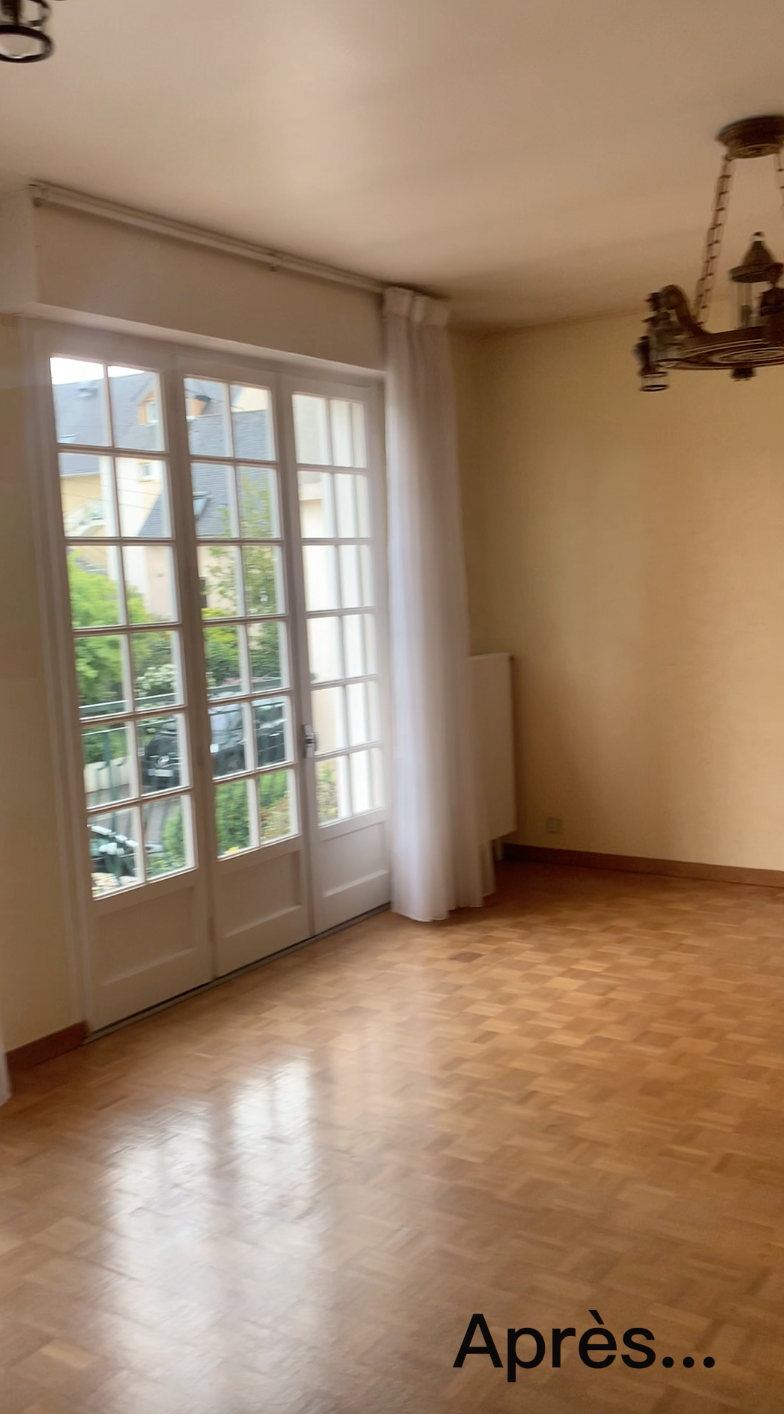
634 864
47 1048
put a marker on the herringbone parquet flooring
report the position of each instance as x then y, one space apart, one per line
288 1195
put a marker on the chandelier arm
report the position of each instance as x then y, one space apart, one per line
713 239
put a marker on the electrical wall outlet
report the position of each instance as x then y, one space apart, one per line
553 825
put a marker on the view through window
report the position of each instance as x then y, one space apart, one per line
334 504
115 495
236 502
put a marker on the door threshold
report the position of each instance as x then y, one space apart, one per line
230 976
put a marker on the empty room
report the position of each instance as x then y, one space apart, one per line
391 707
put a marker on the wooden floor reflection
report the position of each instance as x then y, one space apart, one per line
291 1193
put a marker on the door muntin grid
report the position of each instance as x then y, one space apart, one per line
115 491
340 604
245 619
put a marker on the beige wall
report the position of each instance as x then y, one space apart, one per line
36 992
628 549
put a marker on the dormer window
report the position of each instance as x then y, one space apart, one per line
196 404
148 411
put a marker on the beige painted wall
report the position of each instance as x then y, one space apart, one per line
628 549
36 992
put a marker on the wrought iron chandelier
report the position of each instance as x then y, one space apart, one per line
676 335
24 36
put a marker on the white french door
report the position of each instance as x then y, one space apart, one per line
245 549
215 546
333 432
121 586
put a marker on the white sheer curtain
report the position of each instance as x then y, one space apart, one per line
439 858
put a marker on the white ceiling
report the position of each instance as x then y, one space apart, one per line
533 159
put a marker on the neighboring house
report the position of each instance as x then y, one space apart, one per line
144 510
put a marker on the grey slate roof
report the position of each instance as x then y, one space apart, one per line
80 419
210 505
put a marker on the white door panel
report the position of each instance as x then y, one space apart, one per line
261 906
147 952
353 873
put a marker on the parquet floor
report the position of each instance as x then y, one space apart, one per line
288 1196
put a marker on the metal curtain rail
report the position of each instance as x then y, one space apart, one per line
46 194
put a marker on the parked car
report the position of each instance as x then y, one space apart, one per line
269 724
160 765
161 758
227 744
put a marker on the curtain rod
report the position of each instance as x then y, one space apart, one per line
47 194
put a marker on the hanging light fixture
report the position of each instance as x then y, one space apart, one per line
24 37
676 335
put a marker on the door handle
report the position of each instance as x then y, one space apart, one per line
309 741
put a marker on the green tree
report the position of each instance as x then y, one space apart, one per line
260 575
94 596
231 817
222 657
326 791
260 570
274 810
154 673
172 854
99 671
95 603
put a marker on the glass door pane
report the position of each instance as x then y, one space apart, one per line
115 493
218 590
338 564
245 617
242 549
335 486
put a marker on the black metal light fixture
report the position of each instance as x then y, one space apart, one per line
24 36
676 335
